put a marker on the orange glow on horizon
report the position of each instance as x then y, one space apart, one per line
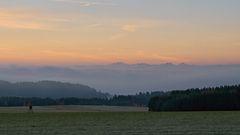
35 37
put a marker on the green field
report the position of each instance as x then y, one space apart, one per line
118 123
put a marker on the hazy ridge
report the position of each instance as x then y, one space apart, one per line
122 78
48 89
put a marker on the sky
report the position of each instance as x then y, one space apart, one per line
107 31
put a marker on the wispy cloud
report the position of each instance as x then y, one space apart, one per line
28 19
116 36
95 25
86 3
86 55
127 27
133 56
130 27
20 20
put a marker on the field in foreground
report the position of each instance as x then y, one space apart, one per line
119 123
75 108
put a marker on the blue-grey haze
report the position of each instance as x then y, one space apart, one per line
120 78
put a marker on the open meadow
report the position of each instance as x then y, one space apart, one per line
118 122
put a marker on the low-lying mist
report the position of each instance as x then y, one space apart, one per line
120 78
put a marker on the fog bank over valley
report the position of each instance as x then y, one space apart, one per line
121 78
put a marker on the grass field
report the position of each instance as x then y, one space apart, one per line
75 108
118 123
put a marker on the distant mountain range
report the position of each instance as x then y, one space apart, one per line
122 78
48 89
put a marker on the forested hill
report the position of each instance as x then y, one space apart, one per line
48 89
206 99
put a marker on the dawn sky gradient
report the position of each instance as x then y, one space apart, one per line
131 31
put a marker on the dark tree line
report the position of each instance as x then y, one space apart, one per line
206 99
20 101
140 99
